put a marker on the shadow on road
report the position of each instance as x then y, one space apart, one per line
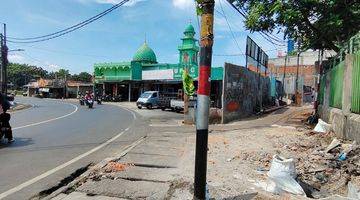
19 142
23 142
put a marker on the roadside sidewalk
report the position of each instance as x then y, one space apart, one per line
161 166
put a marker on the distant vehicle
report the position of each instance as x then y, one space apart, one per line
165 100
82 100
148 99
98 100
90 103
178 104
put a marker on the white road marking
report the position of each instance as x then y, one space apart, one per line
48 173
164 125
50 120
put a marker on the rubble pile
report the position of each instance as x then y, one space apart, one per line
325 165
328 169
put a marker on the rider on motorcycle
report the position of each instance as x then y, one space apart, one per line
5 118
88 96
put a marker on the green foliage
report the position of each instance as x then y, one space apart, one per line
317 24
62 74
188 83
22 74
83 76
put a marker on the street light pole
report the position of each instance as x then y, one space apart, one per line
206 7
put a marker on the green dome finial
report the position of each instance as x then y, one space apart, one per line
145 54
189 29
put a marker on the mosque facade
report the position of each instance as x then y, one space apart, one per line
143 73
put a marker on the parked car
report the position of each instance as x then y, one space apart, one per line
148 99
178 104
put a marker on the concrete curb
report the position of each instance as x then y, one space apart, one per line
98 166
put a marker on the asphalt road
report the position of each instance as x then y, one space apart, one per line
54 132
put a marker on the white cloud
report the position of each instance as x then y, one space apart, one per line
52 67
183 4
16 58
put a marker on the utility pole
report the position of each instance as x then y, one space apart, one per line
206 8
4 62
320 59
283 81
297 79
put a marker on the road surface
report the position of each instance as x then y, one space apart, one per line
56 137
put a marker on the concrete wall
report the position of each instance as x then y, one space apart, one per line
243 92
344 123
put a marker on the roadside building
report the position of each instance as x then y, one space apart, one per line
308 71
143 73
74 88
56 88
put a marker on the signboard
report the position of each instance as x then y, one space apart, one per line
290 46
256 58
163 74
193 71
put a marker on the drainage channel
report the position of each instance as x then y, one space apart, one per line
62 183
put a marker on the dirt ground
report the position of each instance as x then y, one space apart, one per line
238 160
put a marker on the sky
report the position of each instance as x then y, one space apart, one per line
117 36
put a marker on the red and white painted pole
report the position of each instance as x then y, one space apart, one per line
203 96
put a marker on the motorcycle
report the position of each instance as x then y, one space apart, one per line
90 103
98 100
5 128
82 101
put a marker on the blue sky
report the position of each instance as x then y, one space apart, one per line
117 36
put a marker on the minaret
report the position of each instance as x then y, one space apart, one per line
188 51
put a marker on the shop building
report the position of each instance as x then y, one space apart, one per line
143 73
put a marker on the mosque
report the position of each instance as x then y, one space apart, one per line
144 73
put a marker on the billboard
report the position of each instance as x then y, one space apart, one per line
256 58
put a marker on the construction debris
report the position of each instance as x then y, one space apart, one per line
324 166
332 145
115 167
322 127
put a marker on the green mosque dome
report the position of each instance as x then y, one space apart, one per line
145 54
189 29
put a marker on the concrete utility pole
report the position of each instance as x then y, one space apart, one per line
283 81
203 100
4 62
320 59
297 95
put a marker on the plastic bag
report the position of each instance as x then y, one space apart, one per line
282 173
322 127
353 192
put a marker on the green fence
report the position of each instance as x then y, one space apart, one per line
355 96
336 85
322 89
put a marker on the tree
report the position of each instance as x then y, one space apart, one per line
62 74
21 74
82 76
325 24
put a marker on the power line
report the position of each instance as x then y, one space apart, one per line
271 39
66 52
227 22
67 30
242 54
